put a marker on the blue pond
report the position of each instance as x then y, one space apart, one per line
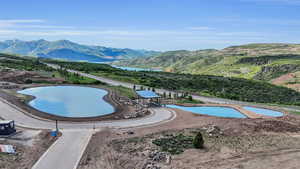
266 112
69 101
212 111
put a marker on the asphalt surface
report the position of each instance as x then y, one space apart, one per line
23 119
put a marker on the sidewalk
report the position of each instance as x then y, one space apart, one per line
66 152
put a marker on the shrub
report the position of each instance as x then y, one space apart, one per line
28 81
198 141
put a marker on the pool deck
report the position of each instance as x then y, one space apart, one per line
239 108
247 113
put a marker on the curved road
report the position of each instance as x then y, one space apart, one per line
21 118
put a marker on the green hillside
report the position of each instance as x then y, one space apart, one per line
252 61
224 87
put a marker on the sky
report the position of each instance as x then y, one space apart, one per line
153 24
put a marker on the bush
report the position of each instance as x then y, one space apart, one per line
174 144
198 141
28 81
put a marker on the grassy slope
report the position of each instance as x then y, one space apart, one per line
223 62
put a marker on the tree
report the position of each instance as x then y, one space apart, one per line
190 98
28 81
174 96
198 141
164 94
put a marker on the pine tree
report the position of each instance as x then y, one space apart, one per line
198 141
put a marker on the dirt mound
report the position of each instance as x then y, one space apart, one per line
273 126
21 77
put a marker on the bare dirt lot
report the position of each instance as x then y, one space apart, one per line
22 77
29 146
229 144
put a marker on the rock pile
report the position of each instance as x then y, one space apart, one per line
213 130
135 114
156 157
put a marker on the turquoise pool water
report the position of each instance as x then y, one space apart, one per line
266 112
212 111
69 101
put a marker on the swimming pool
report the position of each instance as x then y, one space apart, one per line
262 111
70 101
212 111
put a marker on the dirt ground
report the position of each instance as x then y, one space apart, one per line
272 143
29 146
20 77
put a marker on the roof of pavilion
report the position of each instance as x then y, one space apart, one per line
147 94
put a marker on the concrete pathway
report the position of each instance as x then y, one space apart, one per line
66 152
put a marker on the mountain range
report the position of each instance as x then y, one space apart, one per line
67 50
276 63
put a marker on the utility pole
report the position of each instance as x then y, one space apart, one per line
56 125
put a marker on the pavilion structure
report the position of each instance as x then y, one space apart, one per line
148 98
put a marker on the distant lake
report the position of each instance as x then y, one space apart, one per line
135 69
127 68
70 101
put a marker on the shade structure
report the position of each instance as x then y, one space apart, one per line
147 94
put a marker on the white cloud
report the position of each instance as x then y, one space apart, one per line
199 28
17 22
30 23
14 21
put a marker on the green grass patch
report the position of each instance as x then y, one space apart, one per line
185 100
124 91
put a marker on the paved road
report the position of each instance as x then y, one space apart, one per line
66 152
161 91
9 111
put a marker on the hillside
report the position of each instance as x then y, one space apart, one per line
217 86
253 61
67 50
